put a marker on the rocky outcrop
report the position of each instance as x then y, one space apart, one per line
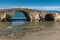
6 17
30 14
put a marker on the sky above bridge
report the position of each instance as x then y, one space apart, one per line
36 4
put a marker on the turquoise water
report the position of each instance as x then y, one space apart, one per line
19 15
18 18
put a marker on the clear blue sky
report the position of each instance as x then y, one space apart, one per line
28 3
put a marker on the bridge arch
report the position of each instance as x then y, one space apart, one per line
26 14
49 17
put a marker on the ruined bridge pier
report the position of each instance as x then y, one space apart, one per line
30 14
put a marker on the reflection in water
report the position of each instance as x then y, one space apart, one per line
20 30
9 30
28 25
18 21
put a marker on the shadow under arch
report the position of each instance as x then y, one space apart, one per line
49 17
25 14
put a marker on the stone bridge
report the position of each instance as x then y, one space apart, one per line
30 14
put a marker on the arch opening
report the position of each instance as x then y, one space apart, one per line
22 15
49 17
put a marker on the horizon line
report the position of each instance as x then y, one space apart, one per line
41 7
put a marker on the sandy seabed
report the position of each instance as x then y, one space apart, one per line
50 34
